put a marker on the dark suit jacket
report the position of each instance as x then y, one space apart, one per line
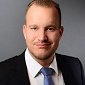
14 72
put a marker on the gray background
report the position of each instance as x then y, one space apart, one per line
11 21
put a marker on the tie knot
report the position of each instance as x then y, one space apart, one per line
47 71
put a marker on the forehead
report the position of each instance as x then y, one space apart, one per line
42 15
37 8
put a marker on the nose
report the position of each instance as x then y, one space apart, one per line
42 36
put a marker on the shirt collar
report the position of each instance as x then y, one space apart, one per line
54 65
34 67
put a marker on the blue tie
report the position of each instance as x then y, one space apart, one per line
47 72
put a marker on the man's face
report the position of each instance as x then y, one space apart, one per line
42 32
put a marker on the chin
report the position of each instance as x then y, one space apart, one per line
42 56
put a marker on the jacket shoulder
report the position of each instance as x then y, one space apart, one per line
69 61
72 64
6 66
67 58
10 64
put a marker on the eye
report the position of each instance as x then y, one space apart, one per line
51 29
33 28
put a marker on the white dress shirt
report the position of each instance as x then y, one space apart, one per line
33 67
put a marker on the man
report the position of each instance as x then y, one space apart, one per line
42 31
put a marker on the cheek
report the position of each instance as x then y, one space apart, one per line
30 38
55 37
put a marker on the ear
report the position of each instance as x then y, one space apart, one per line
61 30
24 31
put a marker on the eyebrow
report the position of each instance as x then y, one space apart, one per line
51 25
32 25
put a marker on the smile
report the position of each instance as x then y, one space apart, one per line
44 45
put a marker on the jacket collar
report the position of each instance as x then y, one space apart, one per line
65 64
21 70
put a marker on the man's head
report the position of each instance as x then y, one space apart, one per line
42 30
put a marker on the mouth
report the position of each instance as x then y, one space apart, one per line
42 45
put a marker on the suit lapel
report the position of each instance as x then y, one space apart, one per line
20 70
65 69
